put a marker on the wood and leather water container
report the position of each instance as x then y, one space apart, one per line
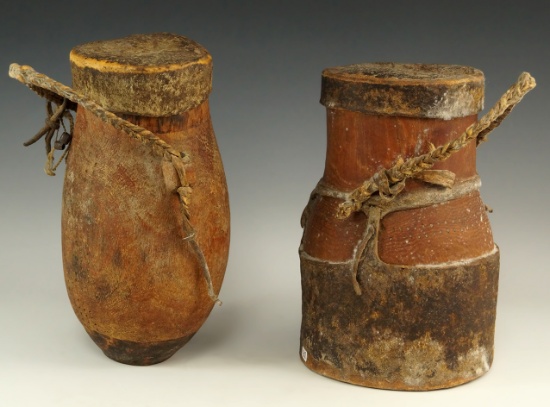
401 292
132 277
145 218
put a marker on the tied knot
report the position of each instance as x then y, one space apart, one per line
52 123
387 190
55 120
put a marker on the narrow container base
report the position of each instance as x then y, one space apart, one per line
138 353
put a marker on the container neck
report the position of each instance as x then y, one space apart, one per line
170 124
359 144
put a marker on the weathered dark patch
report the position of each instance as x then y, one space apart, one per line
440 321
103 290
117 258
136 353
76 268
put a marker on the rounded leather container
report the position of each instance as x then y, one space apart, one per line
132 277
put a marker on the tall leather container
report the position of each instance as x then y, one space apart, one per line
401 295
132 277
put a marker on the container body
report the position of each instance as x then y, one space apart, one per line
428 274
133 277
133 281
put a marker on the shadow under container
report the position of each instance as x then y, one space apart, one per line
133 280
420 312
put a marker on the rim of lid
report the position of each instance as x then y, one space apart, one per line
140 53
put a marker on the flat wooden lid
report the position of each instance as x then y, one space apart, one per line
414 90
145 74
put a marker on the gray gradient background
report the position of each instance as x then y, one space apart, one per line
268 58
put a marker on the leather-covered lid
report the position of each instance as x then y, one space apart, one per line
158 74
413 90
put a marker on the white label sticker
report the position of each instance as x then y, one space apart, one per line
304 354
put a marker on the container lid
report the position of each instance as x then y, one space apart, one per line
145 74
414 90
